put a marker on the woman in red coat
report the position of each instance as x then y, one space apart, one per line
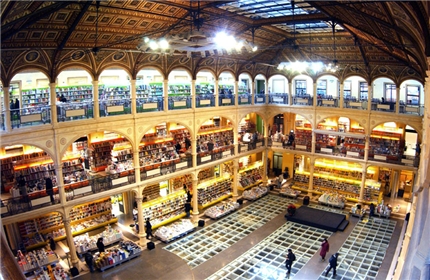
324 249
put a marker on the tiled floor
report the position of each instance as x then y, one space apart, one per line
251 243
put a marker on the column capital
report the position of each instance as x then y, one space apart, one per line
66 221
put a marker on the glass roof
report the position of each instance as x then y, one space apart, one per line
271 9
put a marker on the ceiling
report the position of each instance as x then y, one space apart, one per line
362 34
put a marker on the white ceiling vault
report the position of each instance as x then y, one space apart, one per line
366 33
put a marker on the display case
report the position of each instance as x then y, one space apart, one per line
34 260
76 93
213 191
85 243
166 209
173 231
84 218
34 97
251 176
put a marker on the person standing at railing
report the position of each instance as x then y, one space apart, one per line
49 188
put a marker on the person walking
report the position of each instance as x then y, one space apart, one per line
325 246
89 261
148 229
100 245
187 209
52 244
289 260
49 188
333 264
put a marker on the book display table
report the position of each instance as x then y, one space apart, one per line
220 210
123 252
255 193
175 230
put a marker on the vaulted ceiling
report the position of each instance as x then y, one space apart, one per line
361 33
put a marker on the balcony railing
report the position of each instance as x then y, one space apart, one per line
178 102
75 110
149 104
114 107
30 116
226 99
205 100
259 98
278 98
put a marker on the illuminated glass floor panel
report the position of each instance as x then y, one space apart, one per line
362 253
266 260
204 244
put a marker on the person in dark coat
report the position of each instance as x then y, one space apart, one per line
371 210
187 143
100 245
89 261
188 209
49 188
289 260
325 246
333 264
52 244
148 230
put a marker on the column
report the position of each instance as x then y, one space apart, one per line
140 218
236 93
216 92
397 100
166 95
195 194
193 94
314 141
290 93
7 118
96 111
266 91
70 242
253 92
311 174
369 96
136 164
193 151
366 147
133 97
363 183
314 94
265 167
53 103
235 177
341 97
60 182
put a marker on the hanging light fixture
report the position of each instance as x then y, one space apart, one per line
333 67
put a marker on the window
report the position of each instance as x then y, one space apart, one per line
347 89
412 95
300 87
322 88
390 92
364 91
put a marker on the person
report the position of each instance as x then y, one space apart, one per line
49 188
289 260
52 244
89 261
63 99
333 264
187 209
100 245
22 184
325 246
319 98
135 211
189 196
148 229
187 143
178 147
371 210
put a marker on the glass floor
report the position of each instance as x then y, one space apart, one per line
362 253
328 209
204 244
266 260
